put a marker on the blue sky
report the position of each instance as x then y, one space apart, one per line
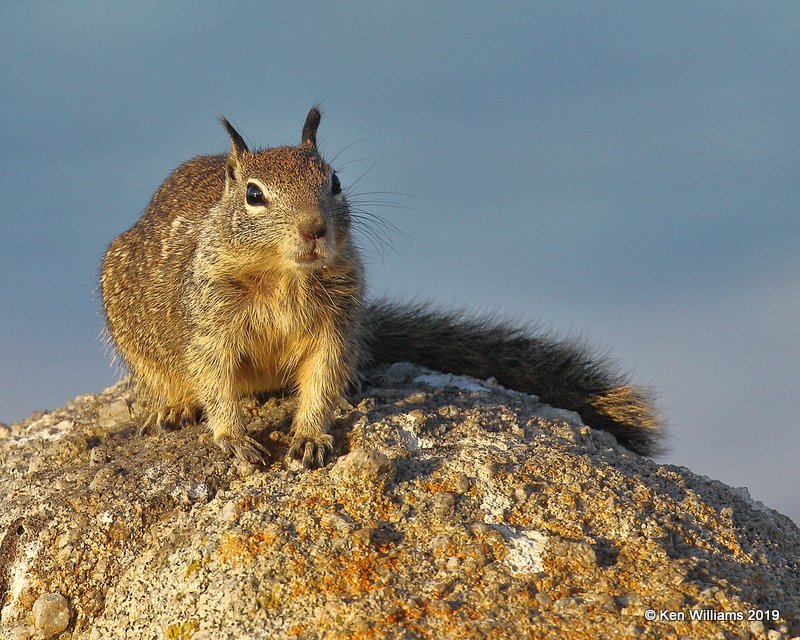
626 171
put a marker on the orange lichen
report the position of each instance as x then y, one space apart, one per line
361 571
432 485
241 548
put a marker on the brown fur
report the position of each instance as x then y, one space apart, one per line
209 298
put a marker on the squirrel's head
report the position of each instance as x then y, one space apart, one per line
284 202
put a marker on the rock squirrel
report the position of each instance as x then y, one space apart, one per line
242 277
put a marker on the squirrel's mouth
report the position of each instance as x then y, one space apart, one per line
313 255
309 257
309 260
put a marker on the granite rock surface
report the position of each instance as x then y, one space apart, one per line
450 508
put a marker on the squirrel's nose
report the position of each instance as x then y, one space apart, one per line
313 231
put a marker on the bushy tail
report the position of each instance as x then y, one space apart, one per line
562 373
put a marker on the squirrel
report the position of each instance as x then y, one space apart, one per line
242 277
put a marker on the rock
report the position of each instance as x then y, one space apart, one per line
50 614
443 502
364 466
453 511
21 631
400 371
114 415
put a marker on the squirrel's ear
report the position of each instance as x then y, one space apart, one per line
238 148
237 142
310 128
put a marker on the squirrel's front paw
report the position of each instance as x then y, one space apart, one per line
244 448
311 450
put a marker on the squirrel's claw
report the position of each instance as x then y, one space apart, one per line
244 448
310 451
153 423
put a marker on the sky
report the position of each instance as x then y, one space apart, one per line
628 172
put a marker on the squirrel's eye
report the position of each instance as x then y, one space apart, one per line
255 197
336 185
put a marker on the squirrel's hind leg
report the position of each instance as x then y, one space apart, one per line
159 416
165 403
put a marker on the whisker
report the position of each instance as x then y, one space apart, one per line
368 169
349 162
352 144
386 205
368 216
379 193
